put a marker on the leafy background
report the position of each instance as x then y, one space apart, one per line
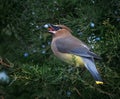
26 58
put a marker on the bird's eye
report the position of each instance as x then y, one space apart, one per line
54 27
57 28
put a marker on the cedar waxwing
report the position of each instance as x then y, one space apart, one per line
71 50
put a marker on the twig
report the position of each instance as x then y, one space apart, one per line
77 91
6 64
1 97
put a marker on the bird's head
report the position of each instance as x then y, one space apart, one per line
57 29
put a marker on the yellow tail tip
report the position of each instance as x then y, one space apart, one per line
99 82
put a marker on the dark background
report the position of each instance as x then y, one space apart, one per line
25 55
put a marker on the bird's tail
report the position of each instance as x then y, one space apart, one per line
89 64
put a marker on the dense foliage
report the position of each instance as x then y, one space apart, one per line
34 72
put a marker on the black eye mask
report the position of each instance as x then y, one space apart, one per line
53 27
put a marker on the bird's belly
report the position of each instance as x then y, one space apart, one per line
71 59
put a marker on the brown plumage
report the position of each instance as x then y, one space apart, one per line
73 51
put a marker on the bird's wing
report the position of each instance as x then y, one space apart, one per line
74 46
90 65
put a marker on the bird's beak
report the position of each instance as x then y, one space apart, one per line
50 28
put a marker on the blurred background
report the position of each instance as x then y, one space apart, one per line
28 68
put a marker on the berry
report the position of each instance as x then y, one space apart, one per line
68 93
4 77
97 39
92 25
43 52
43 46
26 54
46 26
